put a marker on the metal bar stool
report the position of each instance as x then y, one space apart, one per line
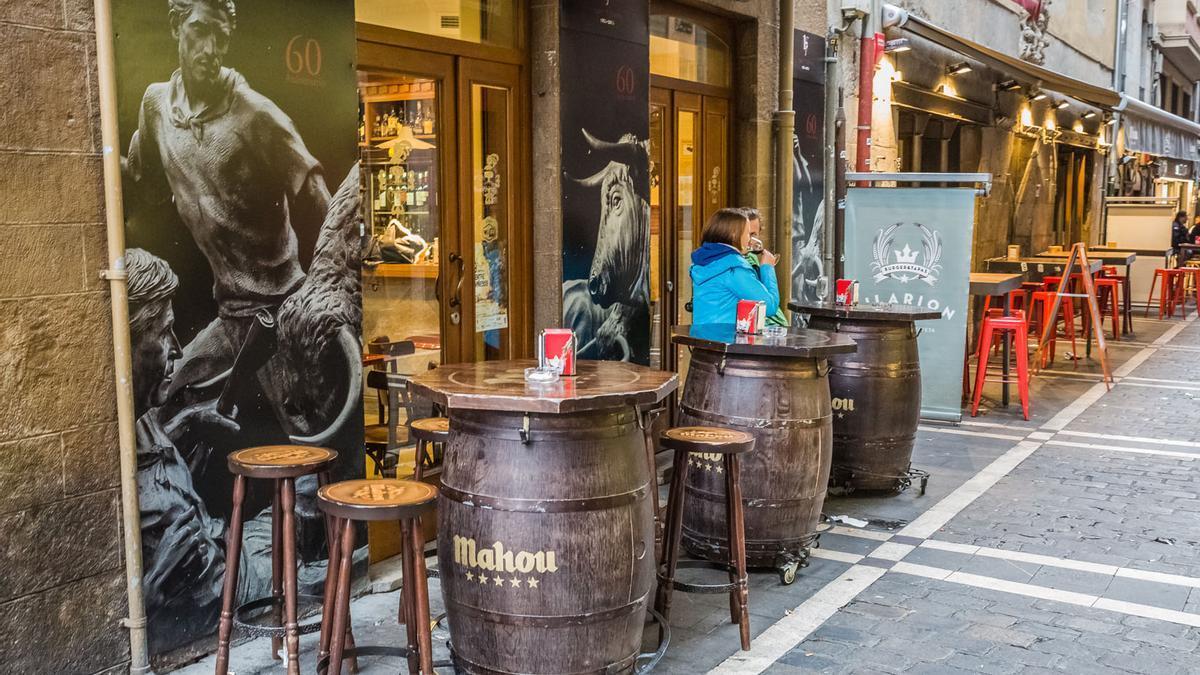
353 501
430 433
282 464
707 446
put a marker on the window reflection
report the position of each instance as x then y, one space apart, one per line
688 51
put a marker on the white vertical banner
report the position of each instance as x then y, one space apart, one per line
912 246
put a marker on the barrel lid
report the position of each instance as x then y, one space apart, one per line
802 343
501 385
865 311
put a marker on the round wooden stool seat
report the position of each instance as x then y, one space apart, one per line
281 461
384 499
431 429
375 433
707 439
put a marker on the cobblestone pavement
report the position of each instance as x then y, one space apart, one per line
1069 543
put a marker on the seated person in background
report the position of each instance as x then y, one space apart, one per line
1194 233
721 276
756 248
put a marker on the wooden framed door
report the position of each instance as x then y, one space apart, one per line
690 152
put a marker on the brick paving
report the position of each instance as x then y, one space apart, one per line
1066 544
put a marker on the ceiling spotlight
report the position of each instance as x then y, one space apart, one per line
1038 96
958 68
1008 85
897 45
1062 104
1088 115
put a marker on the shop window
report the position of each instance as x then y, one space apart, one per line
685 50
488 22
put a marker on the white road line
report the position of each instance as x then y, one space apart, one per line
875 535
1148 612
1151 385
1121 448
1068 414
968 432
794 628
1160 577
1173 331
939 514
1019 588
1159 380
838 556
1132 439
994 425
1069 374
1133 362
891 551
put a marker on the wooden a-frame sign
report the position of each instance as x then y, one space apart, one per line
1078 258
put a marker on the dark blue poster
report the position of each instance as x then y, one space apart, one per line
606 183
810 279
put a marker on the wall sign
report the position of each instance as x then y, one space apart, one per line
605 113
238 140
912 246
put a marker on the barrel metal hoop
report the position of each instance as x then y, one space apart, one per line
532 434
243 623
465 665
548 621
514 505
702 588
754 423
374 650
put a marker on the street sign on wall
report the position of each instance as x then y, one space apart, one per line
912 246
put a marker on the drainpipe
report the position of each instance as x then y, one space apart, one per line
866 87
785 129
114 211
832 161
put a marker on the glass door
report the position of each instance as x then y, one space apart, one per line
489 162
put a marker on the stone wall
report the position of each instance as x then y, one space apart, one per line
62 591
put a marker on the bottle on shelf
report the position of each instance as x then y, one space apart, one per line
427 121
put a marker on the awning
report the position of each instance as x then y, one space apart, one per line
1158 132
1147 129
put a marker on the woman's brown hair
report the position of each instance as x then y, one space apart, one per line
725 227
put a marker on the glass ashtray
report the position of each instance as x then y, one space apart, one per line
541 375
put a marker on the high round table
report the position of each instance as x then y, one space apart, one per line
545 524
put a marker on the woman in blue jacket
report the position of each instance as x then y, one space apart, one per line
721 276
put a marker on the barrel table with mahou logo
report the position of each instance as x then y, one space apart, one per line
774 386
545 522
876 392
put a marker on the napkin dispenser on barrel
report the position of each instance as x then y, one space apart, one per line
751 316
556 350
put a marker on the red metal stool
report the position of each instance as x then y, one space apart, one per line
1041 317
282 464
1108 290
1170 291
712 445
1189 274
347 502
991 326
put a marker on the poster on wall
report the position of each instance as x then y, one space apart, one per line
238 124
605 113
810 280
912 246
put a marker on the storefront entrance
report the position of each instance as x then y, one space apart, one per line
690 120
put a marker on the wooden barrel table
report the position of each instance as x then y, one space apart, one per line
545 523
775 387
876 392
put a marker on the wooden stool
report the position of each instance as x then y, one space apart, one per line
991 326
282 464
352 501
430 433
711 444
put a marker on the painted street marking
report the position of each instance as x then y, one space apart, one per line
1131 439
1119 448
968 432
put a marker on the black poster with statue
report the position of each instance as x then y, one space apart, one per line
605 114
810 279
238 124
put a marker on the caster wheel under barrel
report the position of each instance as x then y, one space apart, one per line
787 565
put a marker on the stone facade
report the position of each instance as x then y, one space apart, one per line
62 593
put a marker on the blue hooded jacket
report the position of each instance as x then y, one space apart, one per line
721 277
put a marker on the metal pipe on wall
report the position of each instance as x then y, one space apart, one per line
114 212
866 97
832 76
785 126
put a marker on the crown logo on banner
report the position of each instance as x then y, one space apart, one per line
909 263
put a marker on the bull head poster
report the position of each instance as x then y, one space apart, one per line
606 181
238 124
810 279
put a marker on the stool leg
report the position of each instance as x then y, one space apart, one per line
648 438
408 594
233 553
674 533
332 573
276 567
420 601
1150 296
1023 371
739 598
288 491
419 468
341 617
981 359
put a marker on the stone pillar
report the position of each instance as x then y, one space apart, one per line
547 165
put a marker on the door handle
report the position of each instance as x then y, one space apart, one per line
670 286
456 299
